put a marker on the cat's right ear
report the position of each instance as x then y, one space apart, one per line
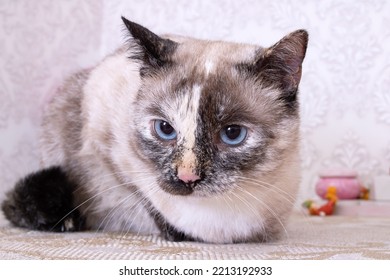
151 50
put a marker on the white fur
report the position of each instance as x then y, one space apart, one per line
209 66
186 114
108 101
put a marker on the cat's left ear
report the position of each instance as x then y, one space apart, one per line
153 51
281 64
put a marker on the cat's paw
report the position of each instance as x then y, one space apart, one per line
43 201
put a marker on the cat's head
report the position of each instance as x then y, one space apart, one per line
213 114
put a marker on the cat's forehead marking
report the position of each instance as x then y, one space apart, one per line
208 66
188 111
186 122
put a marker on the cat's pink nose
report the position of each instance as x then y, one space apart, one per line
187 175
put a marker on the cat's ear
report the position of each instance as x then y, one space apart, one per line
287 56
152 50
281 64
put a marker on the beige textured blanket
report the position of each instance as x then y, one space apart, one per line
336 237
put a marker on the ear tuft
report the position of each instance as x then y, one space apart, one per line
153 50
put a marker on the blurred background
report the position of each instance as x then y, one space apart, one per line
345 89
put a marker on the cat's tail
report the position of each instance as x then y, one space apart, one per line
43 201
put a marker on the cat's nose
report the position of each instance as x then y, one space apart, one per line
189 178
187 175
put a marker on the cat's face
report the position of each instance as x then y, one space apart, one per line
211 115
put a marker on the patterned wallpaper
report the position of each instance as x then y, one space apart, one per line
345 89
40 43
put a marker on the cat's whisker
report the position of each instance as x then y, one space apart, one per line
91 199
131 195
112 213
270 187
228 199
152 191
287 197
246 203
87 200
273 213
113 174
251 208
290 199
135 217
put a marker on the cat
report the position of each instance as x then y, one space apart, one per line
192 139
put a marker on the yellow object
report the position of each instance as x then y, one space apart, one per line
331 194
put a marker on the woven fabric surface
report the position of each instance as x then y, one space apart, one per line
336 237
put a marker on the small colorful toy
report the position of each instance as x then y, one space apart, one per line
326 209
364 193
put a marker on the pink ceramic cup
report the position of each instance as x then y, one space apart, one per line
345 181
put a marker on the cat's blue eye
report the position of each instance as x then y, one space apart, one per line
164 130
233 135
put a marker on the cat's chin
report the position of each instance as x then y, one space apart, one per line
198 190
177 188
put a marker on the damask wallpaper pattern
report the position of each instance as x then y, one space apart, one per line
345 89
